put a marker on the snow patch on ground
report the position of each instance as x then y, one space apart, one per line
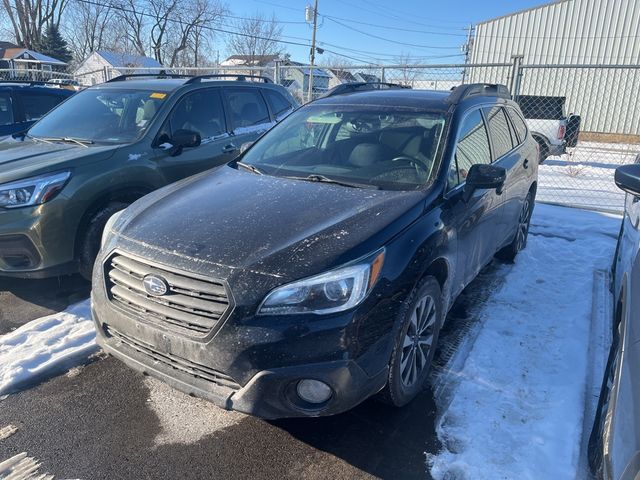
583 177
46 346
517 410
22 467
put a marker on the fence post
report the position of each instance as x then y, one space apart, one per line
516 75
382 75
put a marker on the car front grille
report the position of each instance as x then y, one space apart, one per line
190 306
176 363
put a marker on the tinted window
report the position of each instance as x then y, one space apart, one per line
200 112
473 148
386 147
102 115
35 105
278 103
518 123
247 107
499 131
6 112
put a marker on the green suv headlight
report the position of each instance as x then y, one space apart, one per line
32 191
330 292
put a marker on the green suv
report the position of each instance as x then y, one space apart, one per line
109 145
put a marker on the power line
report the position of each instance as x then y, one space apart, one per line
390 40
400 29
216 29
385 8
387 13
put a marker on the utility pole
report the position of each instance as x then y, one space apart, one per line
312 56
466 49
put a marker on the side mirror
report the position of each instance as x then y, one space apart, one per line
182 139
627 178
484 177
245 146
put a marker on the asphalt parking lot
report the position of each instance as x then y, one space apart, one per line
106 421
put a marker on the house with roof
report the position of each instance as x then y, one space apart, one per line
25 63
338 77
366 77
301 74
250 61
103 65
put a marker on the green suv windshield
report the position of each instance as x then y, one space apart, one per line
378 147
101 115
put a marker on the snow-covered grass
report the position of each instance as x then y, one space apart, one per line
517 410
46 346
583 177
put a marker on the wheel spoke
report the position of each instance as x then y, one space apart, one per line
408 341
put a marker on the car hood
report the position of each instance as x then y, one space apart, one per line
28 158
228 219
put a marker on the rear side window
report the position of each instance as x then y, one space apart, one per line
518 123
6 112
35 105
473 148
247 107
201 112
277 102
499 131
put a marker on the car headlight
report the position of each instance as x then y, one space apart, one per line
108 227
329 292
32 191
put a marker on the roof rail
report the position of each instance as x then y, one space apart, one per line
29 82
357 86
487 89
129 76
239 78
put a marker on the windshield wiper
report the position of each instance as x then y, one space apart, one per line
38 139
78 141
322 179
249 167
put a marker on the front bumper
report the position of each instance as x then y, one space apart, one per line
269 394
35 241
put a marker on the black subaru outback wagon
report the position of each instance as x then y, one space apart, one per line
316 269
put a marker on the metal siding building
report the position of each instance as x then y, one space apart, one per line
569 48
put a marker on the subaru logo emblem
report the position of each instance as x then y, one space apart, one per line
155 285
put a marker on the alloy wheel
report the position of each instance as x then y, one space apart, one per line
418 341
523 224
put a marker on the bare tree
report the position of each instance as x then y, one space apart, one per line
406 73
90 27
132 24
261 37
28 18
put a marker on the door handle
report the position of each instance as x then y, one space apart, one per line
526 163
229 148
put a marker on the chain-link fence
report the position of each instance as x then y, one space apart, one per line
585 118
34 75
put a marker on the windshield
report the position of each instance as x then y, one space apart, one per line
101 115
387 148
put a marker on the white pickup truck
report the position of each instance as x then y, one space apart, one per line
549 126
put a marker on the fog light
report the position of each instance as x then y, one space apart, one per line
313 391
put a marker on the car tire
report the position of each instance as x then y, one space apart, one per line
519 242
543 149
89 244
421 319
